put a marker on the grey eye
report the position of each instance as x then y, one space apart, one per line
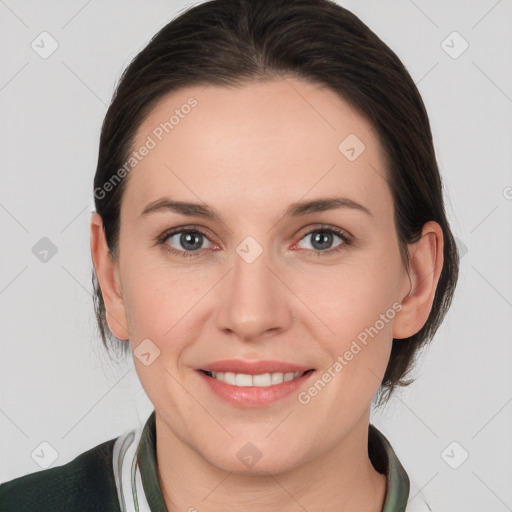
322 239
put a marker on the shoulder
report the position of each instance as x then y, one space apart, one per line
86 483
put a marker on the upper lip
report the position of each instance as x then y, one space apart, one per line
253 367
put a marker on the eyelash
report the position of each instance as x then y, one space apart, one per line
162 239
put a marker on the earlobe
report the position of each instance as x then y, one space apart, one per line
425 265
107 273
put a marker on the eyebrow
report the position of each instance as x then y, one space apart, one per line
297 209
324 204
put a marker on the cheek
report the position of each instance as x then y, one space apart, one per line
150 296
357 302
161 300
354 295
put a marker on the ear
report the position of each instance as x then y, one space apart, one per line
107 271
425 265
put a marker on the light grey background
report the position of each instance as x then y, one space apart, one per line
57 383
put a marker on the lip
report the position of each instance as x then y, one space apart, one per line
253 396
253 367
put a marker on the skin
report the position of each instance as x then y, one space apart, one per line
249 153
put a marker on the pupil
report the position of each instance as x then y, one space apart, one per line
322 240
190 241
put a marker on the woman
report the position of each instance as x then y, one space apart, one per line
270 242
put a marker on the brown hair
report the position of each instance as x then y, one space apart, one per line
232 42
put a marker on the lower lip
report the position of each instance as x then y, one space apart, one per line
254 396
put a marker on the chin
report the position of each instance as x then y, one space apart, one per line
254 458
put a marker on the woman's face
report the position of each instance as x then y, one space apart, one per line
287 263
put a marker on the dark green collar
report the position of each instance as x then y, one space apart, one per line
146 457
380 452
385 461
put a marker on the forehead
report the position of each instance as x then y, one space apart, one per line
277 140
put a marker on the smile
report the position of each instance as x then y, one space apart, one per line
253 384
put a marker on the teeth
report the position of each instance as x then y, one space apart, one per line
277 378
262 380
230 378
241 379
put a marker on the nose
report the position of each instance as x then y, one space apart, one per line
253 302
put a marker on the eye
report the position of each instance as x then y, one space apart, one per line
324 239
183 241
192 241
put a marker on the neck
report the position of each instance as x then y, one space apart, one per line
341 479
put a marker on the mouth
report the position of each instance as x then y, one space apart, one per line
260 380
253 384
